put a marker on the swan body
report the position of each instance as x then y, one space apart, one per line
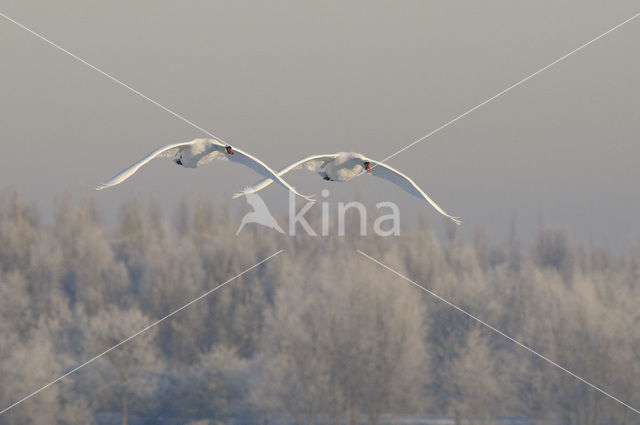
344 166
199 152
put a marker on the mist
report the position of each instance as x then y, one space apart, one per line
318 334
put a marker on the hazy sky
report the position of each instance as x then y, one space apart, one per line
285 79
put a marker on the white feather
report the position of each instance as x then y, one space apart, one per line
199 152
405 183
129 171
344 166
310 163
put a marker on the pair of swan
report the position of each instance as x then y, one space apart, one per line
341 167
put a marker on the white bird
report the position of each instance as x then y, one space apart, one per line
344 166
199 152
260 213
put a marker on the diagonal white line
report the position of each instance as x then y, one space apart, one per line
480 105
499 332
137 333
114 79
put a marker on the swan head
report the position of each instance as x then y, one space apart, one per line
367 166
178 160
229 150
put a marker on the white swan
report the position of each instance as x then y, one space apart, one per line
344 166
199 152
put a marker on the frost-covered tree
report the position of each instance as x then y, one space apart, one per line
343 346
319 334
126 376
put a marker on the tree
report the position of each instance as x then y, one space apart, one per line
475 388
19 226
343 347
127 375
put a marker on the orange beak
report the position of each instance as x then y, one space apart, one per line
367 166
229 150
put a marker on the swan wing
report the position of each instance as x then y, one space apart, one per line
394 176
164 151
310 163
261 168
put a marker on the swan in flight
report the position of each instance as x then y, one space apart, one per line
344 166
199 152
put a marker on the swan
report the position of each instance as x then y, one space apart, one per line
199 152
343 166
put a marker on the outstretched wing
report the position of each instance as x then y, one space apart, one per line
310 163
262 169
394 176
128 172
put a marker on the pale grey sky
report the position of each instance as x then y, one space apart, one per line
285 79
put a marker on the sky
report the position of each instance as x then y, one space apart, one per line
282 80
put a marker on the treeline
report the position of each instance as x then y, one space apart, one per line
318 334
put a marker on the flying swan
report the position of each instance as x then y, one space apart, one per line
344 166
199 152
